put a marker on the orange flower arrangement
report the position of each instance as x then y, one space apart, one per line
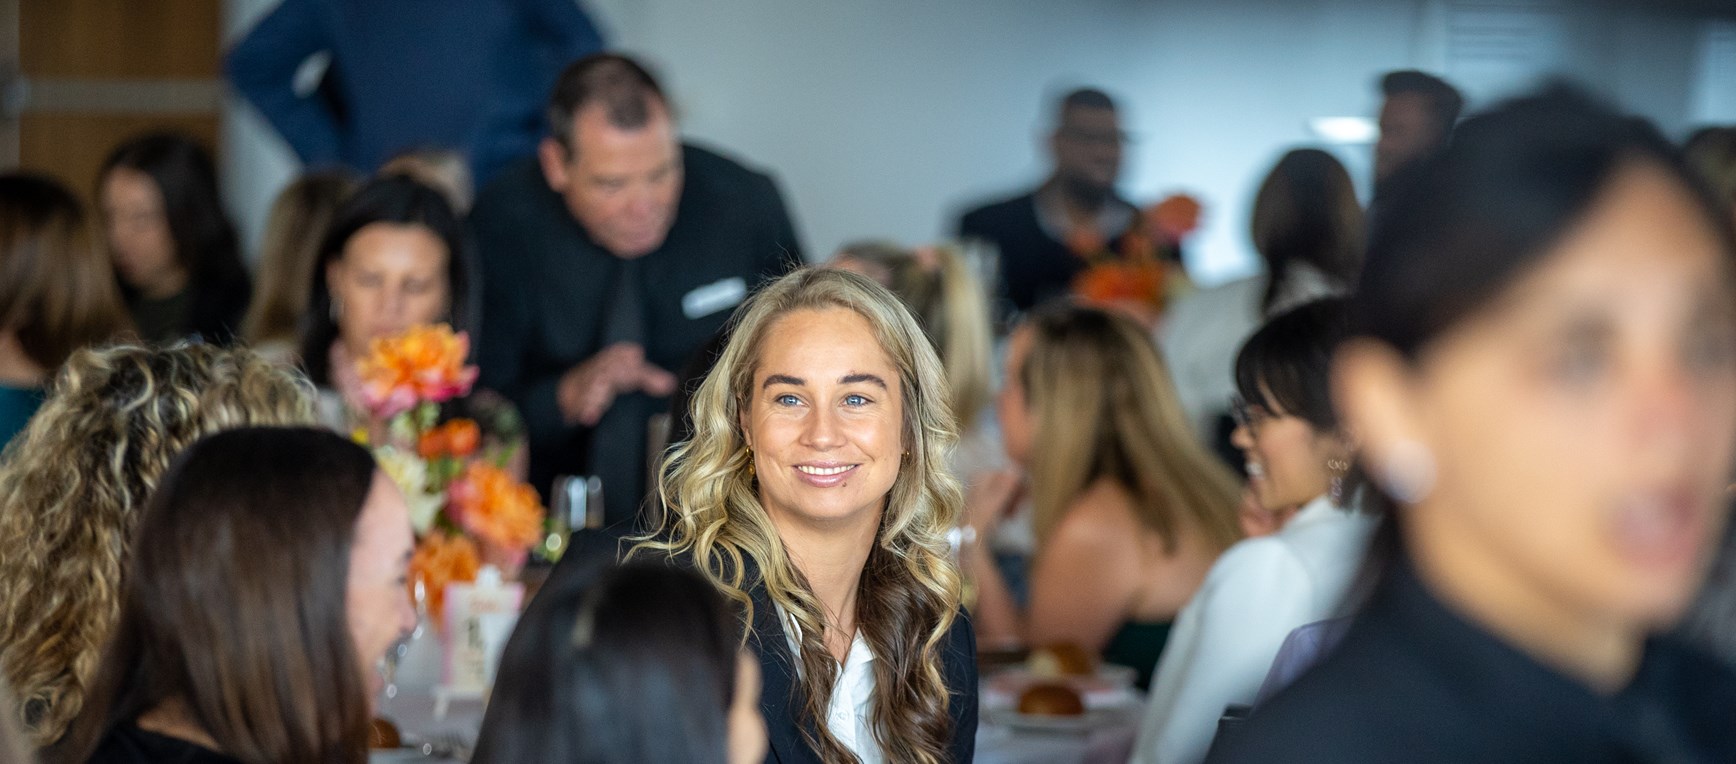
502 513
458 438
467 511
440 559
1135 279
424 364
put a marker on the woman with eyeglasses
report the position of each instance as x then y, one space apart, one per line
1262 588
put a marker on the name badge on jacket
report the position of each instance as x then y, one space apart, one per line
713 297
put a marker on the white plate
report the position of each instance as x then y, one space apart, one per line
1090 720
1111 687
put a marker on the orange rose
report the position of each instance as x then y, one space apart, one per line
458 438
425 363
502 513
1118 282
439 560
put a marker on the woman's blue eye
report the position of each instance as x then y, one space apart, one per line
855 400
786 400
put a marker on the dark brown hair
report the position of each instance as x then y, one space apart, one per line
57 293
623 86
1306 212
632 663
235 602
1445 101
205 242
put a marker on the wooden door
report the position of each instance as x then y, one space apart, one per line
77 77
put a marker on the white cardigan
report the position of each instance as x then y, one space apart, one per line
1225 639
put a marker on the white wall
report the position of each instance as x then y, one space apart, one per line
256 160
884 118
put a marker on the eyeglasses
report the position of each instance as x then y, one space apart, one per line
1249 415
1096 138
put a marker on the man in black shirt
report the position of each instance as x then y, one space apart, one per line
1076 206
607 262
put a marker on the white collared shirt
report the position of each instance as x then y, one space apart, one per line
852 695
1226 637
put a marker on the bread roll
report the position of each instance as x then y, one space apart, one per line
1061 660
383 734
1051 700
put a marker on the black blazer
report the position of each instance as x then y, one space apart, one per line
1414 681
780 705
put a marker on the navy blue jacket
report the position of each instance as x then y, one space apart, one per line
470 75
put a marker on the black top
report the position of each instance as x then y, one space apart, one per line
127 744
1033 266
549 295
1414 682
780 704
206 313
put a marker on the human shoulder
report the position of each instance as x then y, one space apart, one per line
518 180
517 202
715 169
1325 716
1102 514
1000 209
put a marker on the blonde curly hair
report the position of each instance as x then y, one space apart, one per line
909 595
72 484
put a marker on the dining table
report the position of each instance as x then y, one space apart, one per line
435 729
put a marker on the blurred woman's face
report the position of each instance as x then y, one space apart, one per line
747 726
1582 424
137 228
1012 406
391 277
1287 459
379 606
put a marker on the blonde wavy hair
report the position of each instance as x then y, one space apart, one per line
942 288
71 487
909 594
1104 407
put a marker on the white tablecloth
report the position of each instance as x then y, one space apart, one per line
1110 743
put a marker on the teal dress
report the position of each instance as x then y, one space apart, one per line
17 405
1137 646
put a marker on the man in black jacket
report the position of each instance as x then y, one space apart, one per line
1036 233
607 262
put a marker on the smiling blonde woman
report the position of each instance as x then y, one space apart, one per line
815 494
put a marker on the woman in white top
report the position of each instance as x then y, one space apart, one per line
815 493
1262 588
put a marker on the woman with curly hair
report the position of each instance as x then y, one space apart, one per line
815 494
71 486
